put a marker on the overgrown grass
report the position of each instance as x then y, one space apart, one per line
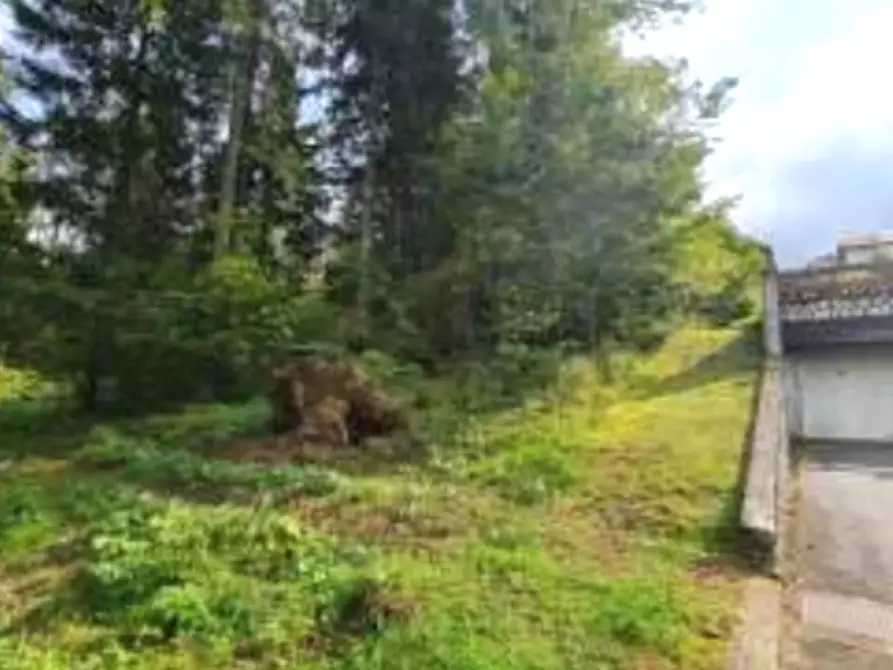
565 524
145 461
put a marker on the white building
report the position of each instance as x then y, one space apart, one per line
865 249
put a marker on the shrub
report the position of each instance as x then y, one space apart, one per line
138 339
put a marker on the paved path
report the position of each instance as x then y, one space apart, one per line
846 558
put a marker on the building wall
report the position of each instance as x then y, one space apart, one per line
841 394
866 254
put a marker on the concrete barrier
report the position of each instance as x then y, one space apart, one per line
767 482
768 468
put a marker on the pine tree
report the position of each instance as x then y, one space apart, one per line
397 82
122 107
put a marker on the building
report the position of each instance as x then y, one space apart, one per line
865 249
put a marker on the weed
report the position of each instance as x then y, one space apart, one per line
201 426
638 613
144 461
531 472
35 511
28 521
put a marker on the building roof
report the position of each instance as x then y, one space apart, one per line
864 241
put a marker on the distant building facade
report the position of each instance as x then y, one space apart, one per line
858 250
865 249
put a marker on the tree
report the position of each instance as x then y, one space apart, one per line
122 104
499 171
396 83
281 187
130 162
584 154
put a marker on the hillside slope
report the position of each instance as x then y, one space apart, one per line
583 525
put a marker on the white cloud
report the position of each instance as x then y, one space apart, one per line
813 101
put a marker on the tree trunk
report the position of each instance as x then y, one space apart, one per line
242 74
88 384
365 289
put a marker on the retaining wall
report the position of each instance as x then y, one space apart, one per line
767 481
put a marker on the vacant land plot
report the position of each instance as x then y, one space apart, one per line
575 524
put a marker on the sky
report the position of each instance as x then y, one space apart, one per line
808 141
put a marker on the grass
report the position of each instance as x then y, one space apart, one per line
575 524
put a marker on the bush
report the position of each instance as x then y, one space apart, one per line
35 513
137 338
217 340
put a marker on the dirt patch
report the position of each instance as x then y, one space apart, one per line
292 449
710 569
721 567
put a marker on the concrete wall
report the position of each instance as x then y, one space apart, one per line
771 314
841 393
766 487
767 480
792 397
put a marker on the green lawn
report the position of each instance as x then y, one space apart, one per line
584 525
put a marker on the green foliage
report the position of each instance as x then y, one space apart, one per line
197 426
530 471
230 331
638 613
155 572
443 644
18 384
475 193
142 460
394 122
718 270
28 522
36 514
532 197
121 297
561 526
170 572
216 336
248 315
